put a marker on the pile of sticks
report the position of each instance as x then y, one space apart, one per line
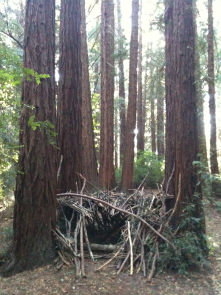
140 219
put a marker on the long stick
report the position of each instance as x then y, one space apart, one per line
131 249
120 210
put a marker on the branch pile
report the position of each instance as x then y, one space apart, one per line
132 227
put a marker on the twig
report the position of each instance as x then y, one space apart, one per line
143 254
115 255
153 264
82 190
128 254
9 34
87 241
131 249
82 248
59 168
63 259
120 210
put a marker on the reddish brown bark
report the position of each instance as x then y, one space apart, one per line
34 211
152 111
160 126
89 164
211 90
70 95
121 84
106 171
200 102
153 123
181 124
128 160
140 135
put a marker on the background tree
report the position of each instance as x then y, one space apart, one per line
34 211
89 164
140 135
121 81
128 160
70 96
181 125
199 95
211 90
106 171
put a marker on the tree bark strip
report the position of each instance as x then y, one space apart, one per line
128 160
34 210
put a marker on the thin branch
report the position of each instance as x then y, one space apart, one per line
9 34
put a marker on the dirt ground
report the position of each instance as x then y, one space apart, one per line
47 280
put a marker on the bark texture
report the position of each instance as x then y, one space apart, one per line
89 164
211 90
34 210
106 171
181 124
160 121
152 115
121 83
70 96
199 96
128 160
140 135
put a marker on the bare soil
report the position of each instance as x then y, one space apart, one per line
47 280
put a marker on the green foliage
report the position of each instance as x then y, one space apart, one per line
189 253
218 206
146 163
45 125
191 245
28 73
211 184
10 79
96 115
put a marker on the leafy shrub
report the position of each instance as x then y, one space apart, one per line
191 245
146 163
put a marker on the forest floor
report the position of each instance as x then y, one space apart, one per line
47 280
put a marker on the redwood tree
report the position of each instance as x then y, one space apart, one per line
70 96
106 171
181 125
140 135
211 88
89 163
121 82
34 211
128 160
160 114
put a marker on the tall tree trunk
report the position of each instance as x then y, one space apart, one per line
34 211
181 125
89 164
144 101
211 85
106 172
116 139
70 96
152 113
140 135
160 117
128 159
199 96
121 83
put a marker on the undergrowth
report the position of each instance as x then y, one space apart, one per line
146 163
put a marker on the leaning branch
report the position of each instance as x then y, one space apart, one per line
9 34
